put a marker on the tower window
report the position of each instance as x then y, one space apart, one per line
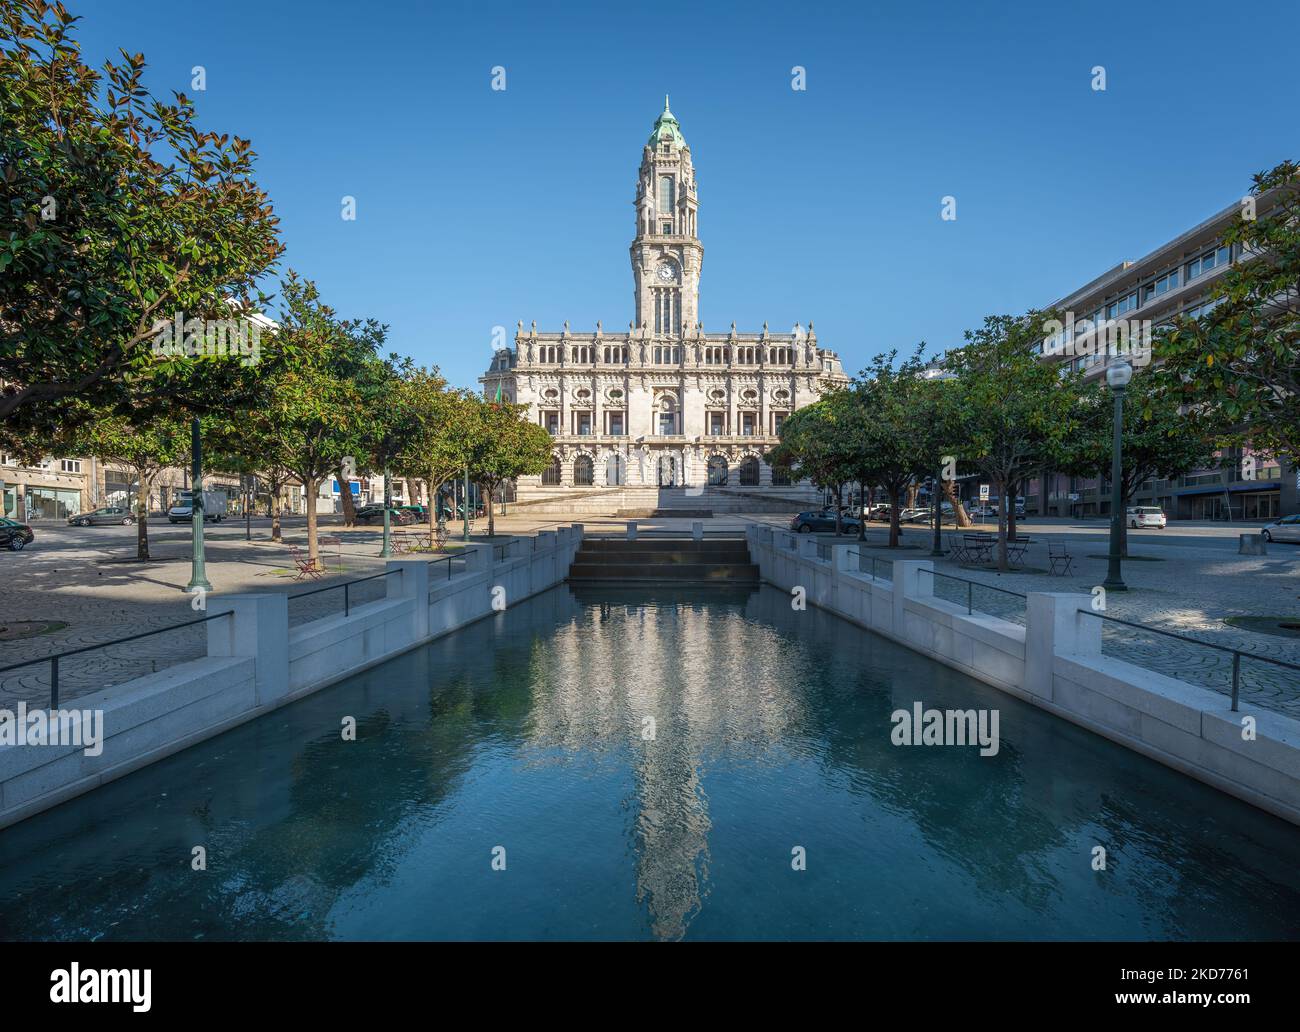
666 198
666 229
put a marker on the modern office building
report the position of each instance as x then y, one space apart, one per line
1173 280
664 404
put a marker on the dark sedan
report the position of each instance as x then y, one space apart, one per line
376 512
15 536
99 517
822 521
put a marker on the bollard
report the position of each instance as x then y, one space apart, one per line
697 530
631 530
1252 544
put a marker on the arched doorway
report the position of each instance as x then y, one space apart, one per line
667 471
749 471
583 471
551 474
615 471
717 469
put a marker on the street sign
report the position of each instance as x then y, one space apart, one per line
984 492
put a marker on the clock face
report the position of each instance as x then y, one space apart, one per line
666 273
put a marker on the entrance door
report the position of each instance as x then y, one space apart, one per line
615 471
667 471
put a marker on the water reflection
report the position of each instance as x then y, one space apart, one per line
770 730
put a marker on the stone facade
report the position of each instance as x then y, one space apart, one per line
664 404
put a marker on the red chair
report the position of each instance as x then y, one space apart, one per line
304 564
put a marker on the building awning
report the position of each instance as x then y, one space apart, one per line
1263 485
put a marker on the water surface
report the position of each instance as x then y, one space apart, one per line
528 733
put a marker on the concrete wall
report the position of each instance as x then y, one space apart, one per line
1054 662
256 663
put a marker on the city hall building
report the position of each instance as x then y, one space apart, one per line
664 404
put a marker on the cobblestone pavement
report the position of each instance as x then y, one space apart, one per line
1189 583
91 582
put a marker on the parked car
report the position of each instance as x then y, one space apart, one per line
367 513
15 536
1145 516
1285 529
821 521
114 514
984 510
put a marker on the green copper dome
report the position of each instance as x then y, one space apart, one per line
666 128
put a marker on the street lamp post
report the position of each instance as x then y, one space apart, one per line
198 572
466 503
388 500
1118 375
936 545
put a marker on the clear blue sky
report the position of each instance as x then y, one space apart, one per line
477 208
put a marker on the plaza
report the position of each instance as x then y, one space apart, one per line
921 574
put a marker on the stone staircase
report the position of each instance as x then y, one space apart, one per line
644 502
659 560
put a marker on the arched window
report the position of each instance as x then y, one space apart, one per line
749 472
666 198
717 470
551 474
615 471
582 471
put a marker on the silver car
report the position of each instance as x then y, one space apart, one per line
108 514
1285 529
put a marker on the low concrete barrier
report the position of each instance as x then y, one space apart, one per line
256 663
1055 662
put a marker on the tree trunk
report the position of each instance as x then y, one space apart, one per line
911 496
491 511
142 517
1010 504
839 515
345 493
894 529
959 513
275 515
313 549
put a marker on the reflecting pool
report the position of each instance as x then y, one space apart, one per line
650 764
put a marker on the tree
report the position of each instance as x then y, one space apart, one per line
906 425
145 447
119 212
506 445
315 414
1161 438
441 444
1014 407
1241 358
810 448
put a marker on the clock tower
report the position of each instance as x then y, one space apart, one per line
666 254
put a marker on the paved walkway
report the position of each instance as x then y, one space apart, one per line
1188 580
90 581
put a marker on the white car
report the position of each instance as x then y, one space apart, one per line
1285 529
1145 516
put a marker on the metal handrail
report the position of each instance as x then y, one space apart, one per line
54 658
970 587
1236 653
347 602
874 560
